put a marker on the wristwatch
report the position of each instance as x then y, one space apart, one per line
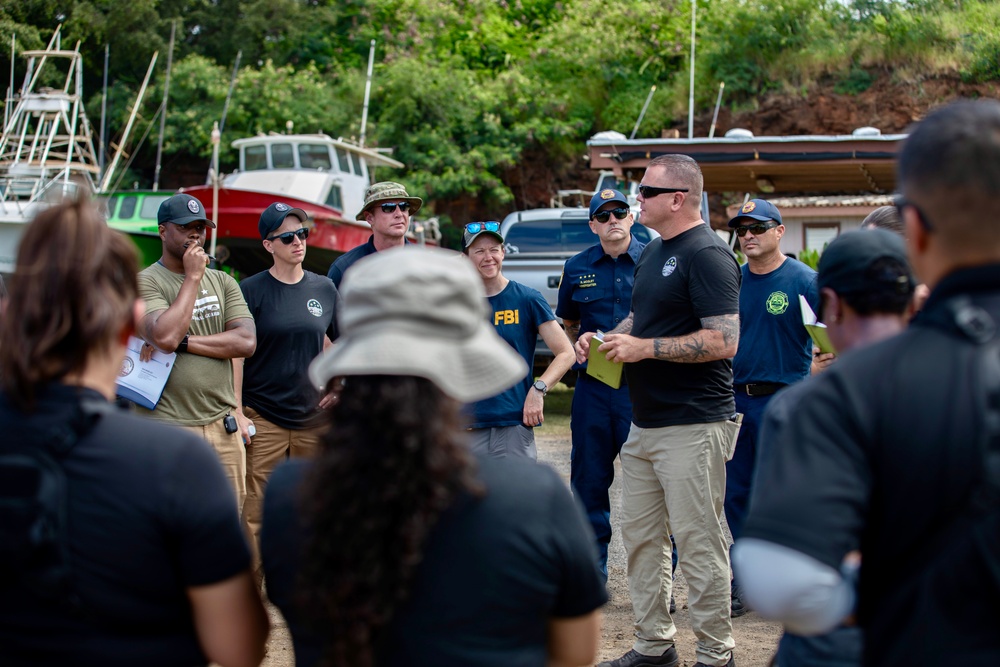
541 386
183 346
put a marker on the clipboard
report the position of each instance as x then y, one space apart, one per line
142 382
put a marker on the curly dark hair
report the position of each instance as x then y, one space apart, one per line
390 463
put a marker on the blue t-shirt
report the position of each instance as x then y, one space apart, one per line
516 312
774 345
596 289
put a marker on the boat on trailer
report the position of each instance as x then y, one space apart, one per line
46 149
323 176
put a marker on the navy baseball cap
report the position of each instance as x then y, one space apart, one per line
275 214
757 209
180 210
603 197
844 264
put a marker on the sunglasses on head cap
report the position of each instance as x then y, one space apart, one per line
389 207
476 227
288 237
620 213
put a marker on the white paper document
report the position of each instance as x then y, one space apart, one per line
816 329
142 382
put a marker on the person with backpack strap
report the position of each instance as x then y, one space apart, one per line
119 540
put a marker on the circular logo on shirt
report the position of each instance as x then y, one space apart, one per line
314 307
127 367
777 303
193 206
669 266
281 207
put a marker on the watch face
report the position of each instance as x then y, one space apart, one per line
540 386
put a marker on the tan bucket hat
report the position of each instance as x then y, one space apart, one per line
419 311
387 191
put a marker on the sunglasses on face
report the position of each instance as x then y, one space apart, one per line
476 227
288 237
389 207
648 191
620 213
756 229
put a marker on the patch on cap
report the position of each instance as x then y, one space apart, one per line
193 206
607 194
281 207
748 207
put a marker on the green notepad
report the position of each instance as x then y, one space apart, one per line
816 329
598 365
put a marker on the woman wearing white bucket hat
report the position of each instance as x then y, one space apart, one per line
398 546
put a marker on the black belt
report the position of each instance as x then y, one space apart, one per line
758 388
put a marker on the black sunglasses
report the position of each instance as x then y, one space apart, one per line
389 207
476 227
756 228
901 202
287 237
648 191
620 213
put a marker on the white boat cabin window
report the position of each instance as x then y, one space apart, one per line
335 199
357 164
127 209
343 161
314 156
282 156
254 158
151 205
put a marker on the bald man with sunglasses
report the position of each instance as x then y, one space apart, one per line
776 350
387 210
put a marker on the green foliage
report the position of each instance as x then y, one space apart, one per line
810 257
857 81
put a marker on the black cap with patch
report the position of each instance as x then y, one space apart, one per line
182 209
275 214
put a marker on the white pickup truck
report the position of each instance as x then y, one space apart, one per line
538 242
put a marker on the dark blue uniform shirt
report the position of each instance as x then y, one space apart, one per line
596 289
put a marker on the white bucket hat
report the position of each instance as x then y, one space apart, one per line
419 311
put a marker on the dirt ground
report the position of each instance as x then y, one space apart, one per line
755 638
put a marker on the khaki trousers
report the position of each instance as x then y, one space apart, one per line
674 482
271 445
232 455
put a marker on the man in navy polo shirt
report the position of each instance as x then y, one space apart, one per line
596 294
775 348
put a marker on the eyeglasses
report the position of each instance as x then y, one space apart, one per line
901 202
648 191
620 213
756 228
288 237
389 207
476 227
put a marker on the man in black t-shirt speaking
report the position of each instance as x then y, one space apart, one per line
887 450
677 345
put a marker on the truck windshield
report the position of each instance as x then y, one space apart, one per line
557 236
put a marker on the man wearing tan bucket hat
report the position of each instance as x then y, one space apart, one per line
387 209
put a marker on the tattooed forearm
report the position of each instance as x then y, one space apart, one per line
729 325
718 340
624 327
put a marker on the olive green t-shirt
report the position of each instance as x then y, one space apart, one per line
199 390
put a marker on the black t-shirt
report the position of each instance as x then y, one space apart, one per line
494 571
150 514
880 453
292 323
678 282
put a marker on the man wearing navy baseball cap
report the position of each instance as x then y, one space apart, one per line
200 314
595 294
776 350
294 310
